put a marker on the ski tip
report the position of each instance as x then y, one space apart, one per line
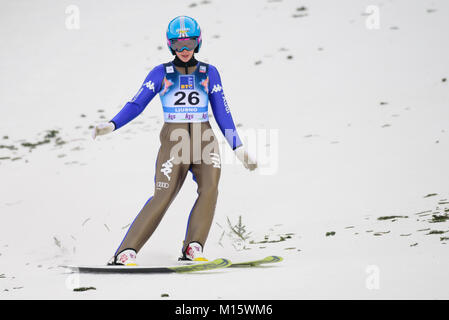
221 260
219 263
257 263
274 259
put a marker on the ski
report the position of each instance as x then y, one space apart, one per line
215 264
256 263
246 264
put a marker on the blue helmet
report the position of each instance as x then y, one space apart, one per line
184 27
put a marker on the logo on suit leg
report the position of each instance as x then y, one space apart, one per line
166 167
162 185
215 158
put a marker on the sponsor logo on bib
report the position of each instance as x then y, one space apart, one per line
169 69
186 82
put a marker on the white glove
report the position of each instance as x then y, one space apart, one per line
248 161
102 128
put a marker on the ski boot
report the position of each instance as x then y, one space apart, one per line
126 257
193 252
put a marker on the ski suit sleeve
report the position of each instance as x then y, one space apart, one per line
221 110
150 87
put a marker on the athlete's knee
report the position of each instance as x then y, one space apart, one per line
162 198
210 191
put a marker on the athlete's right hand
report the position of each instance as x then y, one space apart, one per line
102 128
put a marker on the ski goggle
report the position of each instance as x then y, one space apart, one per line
183 44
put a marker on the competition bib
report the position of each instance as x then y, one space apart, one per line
185 97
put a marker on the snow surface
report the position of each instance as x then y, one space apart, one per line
362 121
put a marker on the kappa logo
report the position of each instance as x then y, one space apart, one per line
150 85
216 88
215 158
166 167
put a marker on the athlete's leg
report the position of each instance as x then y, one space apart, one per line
207 175
169 177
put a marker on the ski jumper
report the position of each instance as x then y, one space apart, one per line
187 144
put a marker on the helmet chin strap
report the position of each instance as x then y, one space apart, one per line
191 63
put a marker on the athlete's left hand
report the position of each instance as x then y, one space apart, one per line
102 129
248 161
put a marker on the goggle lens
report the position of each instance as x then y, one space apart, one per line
181 44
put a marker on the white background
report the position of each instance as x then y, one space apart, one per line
344 158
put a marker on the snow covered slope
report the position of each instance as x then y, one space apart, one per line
356 92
